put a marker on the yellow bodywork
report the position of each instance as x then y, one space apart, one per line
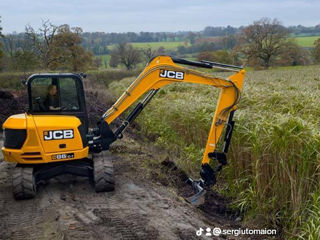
151 78
35 149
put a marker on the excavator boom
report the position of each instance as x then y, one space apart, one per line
162 71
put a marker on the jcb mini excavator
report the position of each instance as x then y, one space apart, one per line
47 140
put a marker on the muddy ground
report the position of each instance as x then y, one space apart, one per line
148 203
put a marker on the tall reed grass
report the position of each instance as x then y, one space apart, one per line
274 160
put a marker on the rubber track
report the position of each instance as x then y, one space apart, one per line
103 172
23 183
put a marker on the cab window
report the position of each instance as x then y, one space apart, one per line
52 94
68 94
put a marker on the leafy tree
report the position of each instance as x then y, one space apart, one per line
182 49
316 51
293 55
263 41
67 53
19 53
127 54
25 60
229 41
191 37
97 62
221 56
114 60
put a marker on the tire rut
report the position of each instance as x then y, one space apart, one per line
67 207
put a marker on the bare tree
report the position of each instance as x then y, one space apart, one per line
43 40
9 44
263 41
161 51
128 55
149 53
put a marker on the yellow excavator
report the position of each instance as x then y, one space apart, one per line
52 137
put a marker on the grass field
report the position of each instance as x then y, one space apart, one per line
273 171
144 45
156 45
306 41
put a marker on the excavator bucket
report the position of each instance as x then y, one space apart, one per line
198 198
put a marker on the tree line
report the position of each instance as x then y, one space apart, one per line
262 44
49 47
97 42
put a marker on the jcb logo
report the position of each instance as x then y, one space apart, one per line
57 134
171 74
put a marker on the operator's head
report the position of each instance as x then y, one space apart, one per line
52 90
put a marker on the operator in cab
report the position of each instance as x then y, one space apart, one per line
52 100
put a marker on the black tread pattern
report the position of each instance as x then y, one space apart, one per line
23 183
103 172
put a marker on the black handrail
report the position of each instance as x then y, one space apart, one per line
204 63
221 64
191 63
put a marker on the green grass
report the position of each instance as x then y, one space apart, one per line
156 45
142 45
274 157
306 41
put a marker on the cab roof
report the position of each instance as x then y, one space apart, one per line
80 76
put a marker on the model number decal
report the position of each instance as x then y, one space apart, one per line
58 134
171 74
62 156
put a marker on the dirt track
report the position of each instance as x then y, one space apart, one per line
141 207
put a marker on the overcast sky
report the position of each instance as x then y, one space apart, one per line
154 15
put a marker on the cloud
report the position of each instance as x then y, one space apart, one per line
160 15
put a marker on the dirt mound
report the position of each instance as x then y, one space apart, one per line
215 206
11 103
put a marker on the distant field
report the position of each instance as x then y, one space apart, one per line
306 41
143 45
105 60
156 45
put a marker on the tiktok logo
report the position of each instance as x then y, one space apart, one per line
199 232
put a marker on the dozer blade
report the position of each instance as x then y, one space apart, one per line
199 197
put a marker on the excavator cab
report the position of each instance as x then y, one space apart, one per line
67 97
52 137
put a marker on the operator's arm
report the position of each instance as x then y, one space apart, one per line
52 103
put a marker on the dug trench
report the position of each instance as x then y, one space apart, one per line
148 202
